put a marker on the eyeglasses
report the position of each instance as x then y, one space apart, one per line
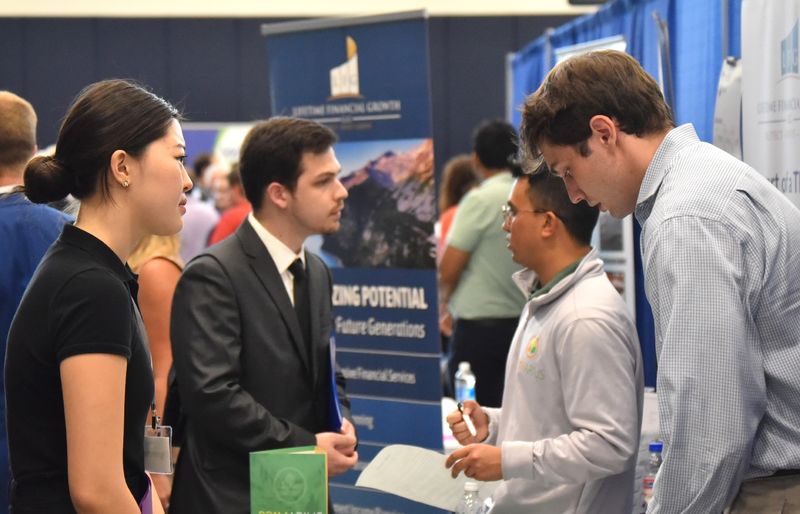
509 212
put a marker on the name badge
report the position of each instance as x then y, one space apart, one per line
157 449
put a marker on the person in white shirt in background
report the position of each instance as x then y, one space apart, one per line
567 435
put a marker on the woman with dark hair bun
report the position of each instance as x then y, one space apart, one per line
79 382
47 180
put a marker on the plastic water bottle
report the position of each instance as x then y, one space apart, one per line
652 469
465 382
471 502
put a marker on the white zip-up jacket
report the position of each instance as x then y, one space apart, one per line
572 404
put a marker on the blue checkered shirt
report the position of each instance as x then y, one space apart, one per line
721 253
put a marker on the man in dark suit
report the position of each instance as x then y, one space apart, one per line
251 324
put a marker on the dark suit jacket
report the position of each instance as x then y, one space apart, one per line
244 375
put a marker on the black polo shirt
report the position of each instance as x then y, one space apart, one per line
80 300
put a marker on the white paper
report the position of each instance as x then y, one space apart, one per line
417 474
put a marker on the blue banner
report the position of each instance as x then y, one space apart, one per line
367 82
368 79
401 376
401 422
386 309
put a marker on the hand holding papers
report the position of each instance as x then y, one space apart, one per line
477 461
470 425
417 474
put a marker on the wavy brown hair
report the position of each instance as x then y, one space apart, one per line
606 82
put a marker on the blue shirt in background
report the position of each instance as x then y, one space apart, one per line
26 232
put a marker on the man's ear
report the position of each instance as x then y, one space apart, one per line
548 227
604 129
277 194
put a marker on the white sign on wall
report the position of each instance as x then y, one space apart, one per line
771 91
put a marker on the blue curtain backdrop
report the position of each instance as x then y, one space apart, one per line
697 31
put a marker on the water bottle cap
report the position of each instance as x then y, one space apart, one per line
656 446
470 486
464 366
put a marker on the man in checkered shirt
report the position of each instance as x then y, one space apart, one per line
721 254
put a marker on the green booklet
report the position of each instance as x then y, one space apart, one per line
289 481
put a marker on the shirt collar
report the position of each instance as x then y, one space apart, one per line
100 253
541 290
527 279
659 167
280 253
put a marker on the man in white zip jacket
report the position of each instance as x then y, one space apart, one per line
567 435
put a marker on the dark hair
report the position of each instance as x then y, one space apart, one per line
548 192
234 177
272 151
606 82
458 178
495 144
105 117
201 164
17 130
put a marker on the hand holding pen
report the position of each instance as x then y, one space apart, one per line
469 423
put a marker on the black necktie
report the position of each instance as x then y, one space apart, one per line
302 306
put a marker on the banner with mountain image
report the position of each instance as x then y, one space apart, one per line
368 79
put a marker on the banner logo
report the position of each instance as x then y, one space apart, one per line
344 78
789 53
345 85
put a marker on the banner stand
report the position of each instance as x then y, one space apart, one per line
368 80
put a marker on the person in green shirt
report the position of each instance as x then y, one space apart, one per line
475 269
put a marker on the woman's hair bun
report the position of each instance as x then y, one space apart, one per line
46 180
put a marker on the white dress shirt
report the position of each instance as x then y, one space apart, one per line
281 254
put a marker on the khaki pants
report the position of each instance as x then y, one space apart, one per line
768 495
